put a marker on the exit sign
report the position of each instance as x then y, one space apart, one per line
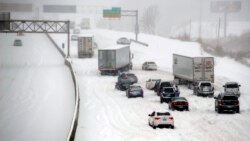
115 12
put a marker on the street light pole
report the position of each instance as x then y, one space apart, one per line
200 20
136 26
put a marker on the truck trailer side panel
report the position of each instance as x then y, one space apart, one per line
183 67
113 60
122 57
193 69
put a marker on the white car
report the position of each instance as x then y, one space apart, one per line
151 83
74 37
233 87
161 119
76 31
149 66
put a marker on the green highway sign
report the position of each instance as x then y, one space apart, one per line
115 12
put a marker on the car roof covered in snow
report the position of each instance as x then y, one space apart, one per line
113 47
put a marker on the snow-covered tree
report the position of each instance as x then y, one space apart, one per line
149 19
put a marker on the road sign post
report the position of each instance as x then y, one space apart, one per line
116 12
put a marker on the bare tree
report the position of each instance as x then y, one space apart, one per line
149 19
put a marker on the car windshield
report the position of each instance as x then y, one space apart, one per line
179 99
205 84
229 98
166 84
232 86
168 90
163 114
151 63
130 74
135 88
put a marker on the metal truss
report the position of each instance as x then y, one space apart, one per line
35 26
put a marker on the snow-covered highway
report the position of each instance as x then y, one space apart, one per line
36 90
107 115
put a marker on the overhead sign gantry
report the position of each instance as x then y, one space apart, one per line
35 26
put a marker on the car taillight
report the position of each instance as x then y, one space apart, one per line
220 102
237 102
171 118
173 103
157 118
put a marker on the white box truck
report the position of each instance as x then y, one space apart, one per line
85 46
196 72
114 59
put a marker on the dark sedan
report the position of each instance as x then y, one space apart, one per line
134 91
123 86
179 103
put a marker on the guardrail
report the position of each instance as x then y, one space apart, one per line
74 123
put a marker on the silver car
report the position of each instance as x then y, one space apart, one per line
123 41
152 83
160 119
18 42
149 66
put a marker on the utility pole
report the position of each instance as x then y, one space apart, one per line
190 28
136 26
200 28
218 34
225 24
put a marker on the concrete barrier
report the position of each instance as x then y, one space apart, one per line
68 62
139 42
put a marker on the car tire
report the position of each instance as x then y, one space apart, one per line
219 110
237 110
187 109
161 101
198 94
172 126
154 127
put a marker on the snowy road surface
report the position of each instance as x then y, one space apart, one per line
36 90
107 115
